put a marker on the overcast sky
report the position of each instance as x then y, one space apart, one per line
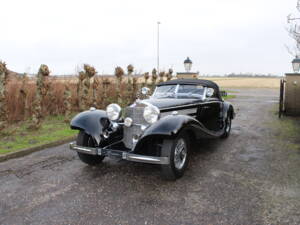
220 36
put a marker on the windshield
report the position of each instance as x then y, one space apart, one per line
179 91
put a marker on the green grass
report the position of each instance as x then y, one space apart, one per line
18 137
287 130
229 97
287 127
230 91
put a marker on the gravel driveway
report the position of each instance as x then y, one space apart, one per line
250 178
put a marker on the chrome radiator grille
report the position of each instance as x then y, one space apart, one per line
136 114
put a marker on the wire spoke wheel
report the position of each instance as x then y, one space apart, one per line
180 154
177 150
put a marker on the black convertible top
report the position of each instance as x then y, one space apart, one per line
205 83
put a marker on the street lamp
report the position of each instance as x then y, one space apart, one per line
296 64
188 64
158 23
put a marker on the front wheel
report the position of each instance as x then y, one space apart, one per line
178 153
86 140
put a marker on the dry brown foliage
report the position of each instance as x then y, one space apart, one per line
54 105
89 70
130 68
146 75
119 72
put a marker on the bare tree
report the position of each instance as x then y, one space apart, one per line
294 32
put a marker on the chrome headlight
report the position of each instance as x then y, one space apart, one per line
151 113
113 111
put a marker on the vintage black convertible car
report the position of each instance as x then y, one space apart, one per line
158 130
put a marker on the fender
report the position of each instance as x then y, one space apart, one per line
90 122
170 126
228 108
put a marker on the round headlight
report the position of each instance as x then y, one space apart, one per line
113 111
151 114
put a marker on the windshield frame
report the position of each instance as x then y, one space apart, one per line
176 92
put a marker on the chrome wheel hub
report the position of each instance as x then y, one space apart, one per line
180 154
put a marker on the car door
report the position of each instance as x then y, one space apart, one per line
209 114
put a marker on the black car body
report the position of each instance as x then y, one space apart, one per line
158 130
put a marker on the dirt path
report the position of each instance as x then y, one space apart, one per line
250 178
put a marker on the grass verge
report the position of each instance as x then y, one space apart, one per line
229 97
18 137
287 130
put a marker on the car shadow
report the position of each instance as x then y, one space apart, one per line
202 152
206 146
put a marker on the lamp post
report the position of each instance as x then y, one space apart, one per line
296 64
188 64
187 74
158 23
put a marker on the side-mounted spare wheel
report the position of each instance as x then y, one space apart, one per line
178 151
86 140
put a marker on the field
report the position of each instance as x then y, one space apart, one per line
238 82
247 82
234 82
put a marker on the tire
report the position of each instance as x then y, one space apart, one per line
178 162
86 140
227 128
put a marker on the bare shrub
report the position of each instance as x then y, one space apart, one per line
21 94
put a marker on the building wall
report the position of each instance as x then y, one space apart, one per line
187 75
292 94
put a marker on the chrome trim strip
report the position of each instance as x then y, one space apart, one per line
145 159
181 112
133 124
190 105
86 150
124 155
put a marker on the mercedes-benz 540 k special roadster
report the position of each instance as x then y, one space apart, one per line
159 129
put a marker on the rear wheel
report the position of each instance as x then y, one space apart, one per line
178 153
86 140
227 128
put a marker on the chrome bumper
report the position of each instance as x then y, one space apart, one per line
117 153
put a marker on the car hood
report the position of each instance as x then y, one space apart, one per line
163 103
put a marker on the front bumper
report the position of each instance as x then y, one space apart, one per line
120 154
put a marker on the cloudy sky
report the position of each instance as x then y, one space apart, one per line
220 36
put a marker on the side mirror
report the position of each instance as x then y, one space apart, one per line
209 92
145 90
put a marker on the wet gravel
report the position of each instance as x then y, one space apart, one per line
245 179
